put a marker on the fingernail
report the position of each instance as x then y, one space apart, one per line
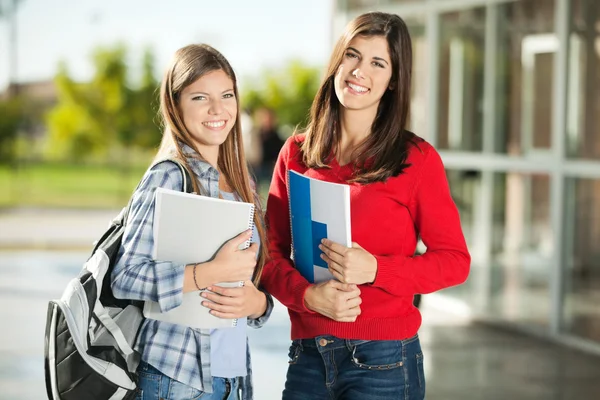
203 294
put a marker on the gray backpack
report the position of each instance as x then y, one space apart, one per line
90 334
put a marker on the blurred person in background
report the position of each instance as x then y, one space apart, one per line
252 143
355 337
200 110
270 142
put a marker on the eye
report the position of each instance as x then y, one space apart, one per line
228 96
351 55
378 64
199 97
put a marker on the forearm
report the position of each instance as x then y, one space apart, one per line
432 271
200 276
149 280
286 284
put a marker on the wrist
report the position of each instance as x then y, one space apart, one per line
204 275
261 306
308 298
374 272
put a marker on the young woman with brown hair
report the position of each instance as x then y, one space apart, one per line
355 337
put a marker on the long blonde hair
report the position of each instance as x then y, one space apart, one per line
188 65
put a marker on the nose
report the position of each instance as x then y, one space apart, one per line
357 74
216 107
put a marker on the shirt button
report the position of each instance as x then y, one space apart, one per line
322 342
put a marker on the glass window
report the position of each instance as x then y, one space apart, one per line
521 249
420 71
582 275
583 107
525 77
465 186
461 80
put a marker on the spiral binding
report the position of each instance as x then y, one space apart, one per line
290 211
246 245
250 226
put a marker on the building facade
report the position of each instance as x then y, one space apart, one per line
509 92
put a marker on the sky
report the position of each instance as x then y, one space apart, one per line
252 34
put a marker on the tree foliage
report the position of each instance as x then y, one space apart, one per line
288 92
11 111
106 112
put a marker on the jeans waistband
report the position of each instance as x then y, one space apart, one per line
328 342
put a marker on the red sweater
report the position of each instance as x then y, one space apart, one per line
387 219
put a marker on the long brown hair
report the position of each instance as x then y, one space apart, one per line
383 153
188 65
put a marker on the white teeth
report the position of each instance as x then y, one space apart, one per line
215 124
357 88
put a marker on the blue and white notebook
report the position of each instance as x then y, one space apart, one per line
318 210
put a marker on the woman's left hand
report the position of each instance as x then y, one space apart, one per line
238 302
349 264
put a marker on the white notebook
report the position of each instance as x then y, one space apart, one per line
191 229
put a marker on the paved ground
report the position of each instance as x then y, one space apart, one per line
463 360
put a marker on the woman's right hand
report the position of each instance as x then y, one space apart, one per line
233 264
333 299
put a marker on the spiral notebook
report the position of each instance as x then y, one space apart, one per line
191 229
318 210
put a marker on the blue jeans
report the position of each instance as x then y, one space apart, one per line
329 368
154 385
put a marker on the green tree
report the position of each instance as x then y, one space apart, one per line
144 106
12 116
107 113
288 92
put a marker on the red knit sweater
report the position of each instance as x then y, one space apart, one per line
387 219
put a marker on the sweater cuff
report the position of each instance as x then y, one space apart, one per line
298 294
389 269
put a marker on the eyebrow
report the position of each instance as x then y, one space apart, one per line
206 94
374 58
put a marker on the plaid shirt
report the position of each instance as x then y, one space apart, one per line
179 352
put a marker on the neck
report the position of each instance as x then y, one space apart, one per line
355 127
210 154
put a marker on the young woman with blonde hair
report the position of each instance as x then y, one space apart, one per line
200 109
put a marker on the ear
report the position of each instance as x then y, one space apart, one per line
391 86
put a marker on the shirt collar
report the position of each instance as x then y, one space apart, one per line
198 165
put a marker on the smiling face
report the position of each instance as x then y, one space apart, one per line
364 73
209 110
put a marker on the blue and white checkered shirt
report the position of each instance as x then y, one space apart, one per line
179 352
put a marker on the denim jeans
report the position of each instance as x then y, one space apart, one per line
154 385
329 368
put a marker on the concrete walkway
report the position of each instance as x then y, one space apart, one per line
463 360
52 228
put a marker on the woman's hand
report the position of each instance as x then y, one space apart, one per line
335 300
232 264
349 264
238 302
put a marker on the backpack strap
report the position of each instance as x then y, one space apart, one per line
187 186
112 327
